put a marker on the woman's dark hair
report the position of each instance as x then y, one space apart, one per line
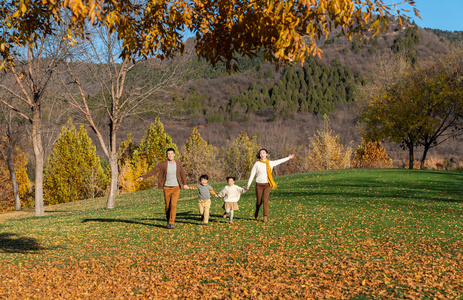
203 177
258 152
231 178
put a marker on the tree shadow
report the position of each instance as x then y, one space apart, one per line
190 217
106 220
13 243
187 217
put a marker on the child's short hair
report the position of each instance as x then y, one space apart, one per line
203 177
231 178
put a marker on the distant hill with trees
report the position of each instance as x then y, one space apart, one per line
211 94
282 106
290 100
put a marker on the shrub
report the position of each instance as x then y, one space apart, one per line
371 154
326 152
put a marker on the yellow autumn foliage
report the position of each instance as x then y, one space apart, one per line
371 154
326 151
6 187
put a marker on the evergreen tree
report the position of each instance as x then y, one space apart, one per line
241 156
154 144
356 46
201 158
73 171
266 97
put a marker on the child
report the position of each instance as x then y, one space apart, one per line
231 194
204 202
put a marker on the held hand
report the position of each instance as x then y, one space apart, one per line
246 187
139 178
291 156
216 196
185 187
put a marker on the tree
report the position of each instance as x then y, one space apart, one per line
284 31
132 165
154 144
241 156
13 128
73 170
421 107
111 90
371 154
136 160
326 151
441 91
11 196
32 69
200 158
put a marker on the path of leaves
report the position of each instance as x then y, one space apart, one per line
376 270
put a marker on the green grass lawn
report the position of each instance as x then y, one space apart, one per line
342 234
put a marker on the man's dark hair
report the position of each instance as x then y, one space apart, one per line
231 178
258 152
203 177
170 149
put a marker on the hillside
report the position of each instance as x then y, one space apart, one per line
282 106
287 103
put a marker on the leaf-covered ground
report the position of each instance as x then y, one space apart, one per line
354 234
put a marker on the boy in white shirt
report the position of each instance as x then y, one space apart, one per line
231 194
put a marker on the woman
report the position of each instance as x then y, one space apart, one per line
262 170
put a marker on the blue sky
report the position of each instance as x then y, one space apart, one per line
438 14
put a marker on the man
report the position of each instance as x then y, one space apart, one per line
171 173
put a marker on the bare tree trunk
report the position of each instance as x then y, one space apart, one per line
411 157
113 185
14 182
38 152
423 158
111 202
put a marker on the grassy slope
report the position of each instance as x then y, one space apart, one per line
340 234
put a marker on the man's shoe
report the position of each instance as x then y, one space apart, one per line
256 214
265 219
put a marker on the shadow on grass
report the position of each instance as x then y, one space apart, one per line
193 218
13 243
187 217
183 217
106 220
